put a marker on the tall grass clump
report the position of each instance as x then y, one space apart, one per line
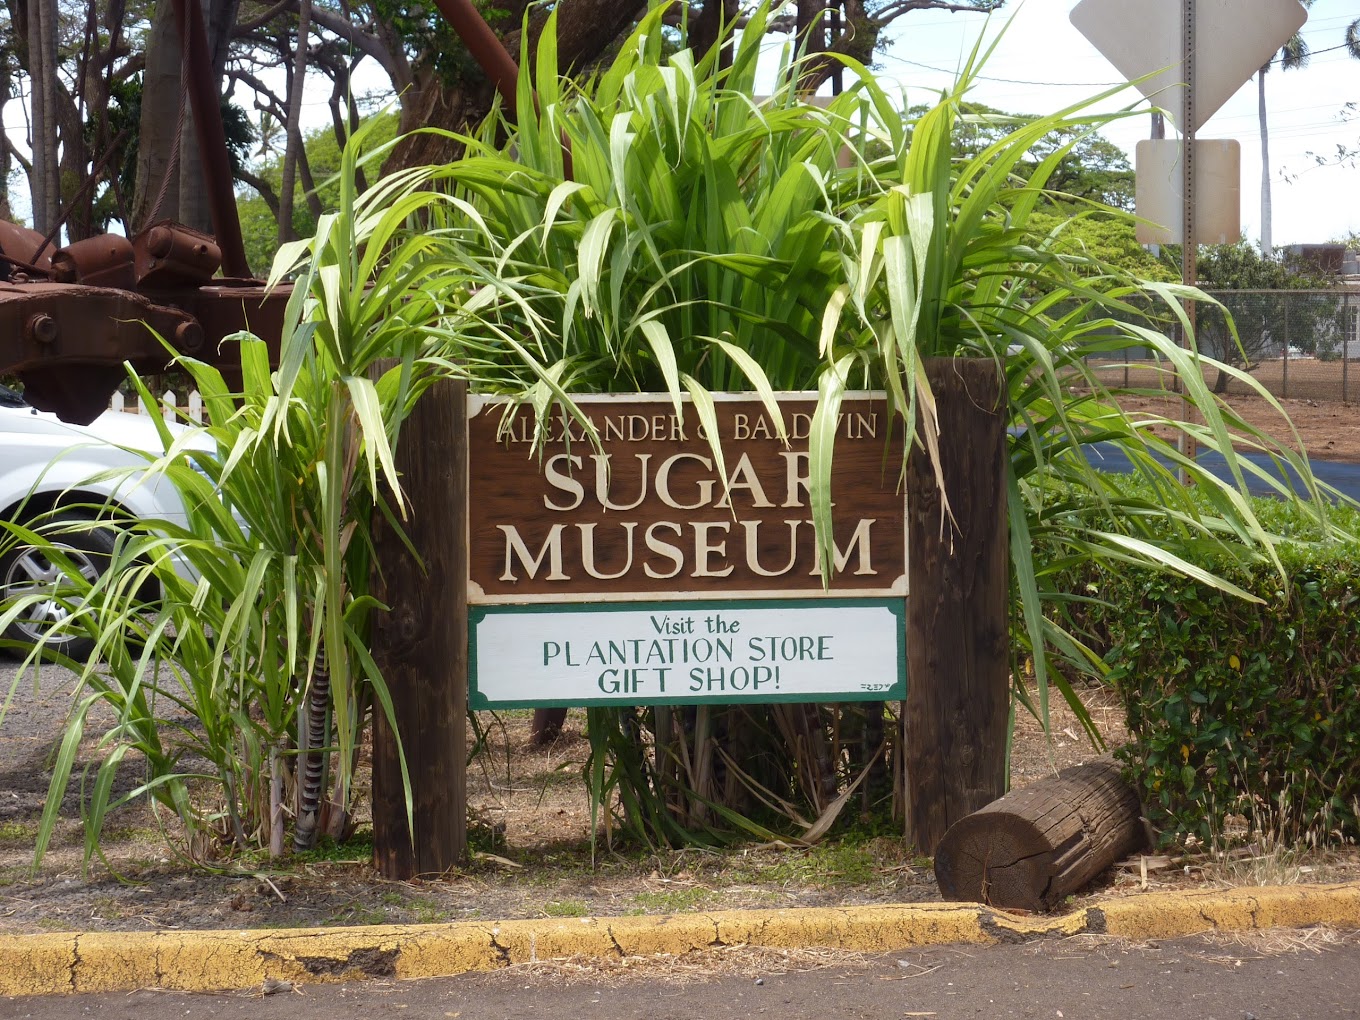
236 697
659 227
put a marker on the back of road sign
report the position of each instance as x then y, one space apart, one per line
1235 39
1158 194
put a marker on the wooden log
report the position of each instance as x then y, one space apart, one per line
958 667
421 647
1035 846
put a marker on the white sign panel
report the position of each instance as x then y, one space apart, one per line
1233 39
670 653
1157 195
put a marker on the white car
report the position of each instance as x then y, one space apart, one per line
47 465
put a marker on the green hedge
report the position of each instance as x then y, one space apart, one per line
1237 708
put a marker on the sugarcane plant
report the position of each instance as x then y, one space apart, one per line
231 674
658 226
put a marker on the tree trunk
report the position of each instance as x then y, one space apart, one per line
1036 846
546 725
6 157
195 206
314 727
858 38
164 110
52 190
429 104
75 115
297 79
346 123
585 29
810 26
42 69
958 689
170 181
705 27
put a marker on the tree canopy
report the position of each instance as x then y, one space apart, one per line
102 85
1093 169
1266 325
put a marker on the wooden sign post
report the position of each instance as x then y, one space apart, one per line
959 703
421 647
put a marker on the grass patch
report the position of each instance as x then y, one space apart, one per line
421 909
826 865
427 911
134 834
355 913
357 849
565 908
18 833
108 908
672 901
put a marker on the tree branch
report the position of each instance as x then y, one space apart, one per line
274 106
13 150
362 40
897 8
246 27
263 187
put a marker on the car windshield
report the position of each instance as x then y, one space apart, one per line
9 398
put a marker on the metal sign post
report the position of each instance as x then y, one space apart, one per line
1189 251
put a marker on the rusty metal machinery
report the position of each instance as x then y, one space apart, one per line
70 318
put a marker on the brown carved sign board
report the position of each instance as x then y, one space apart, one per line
629 573
646 515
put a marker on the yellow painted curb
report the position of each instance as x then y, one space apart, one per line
50 964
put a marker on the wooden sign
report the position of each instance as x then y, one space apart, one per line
646 514
672 653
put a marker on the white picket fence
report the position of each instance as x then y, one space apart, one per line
170 408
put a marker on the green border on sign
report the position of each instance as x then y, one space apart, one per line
897 692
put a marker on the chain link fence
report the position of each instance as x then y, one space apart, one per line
1299 344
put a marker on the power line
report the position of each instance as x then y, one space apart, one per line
1314 53
1013 81
1066 84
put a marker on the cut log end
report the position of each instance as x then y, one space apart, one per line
1035 846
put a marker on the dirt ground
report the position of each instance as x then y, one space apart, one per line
1334 381
532 853
1326 429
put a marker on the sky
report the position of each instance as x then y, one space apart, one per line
1043 64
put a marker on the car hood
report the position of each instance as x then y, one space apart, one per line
118 428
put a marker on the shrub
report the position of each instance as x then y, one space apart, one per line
1236 707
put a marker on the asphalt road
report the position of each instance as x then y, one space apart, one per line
1266 976
1345 477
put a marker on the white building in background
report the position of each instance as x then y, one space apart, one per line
1345 263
